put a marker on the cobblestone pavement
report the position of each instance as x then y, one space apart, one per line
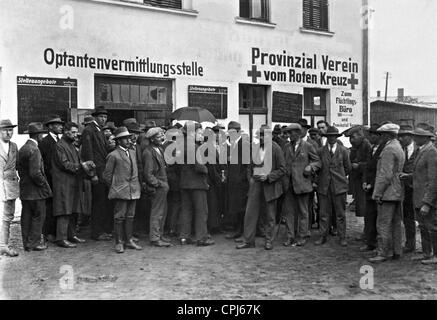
216 272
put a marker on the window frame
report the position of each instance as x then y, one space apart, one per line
151 3
309 94
265 6
251 109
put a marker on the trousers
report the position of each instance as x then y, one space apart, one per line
389 227
296 214
329 202
66 226
194 204
101 214
32 219
7 210
158 213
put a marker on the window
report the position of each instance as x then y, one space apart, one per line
315 14
253 98
314 102
255 10
174 4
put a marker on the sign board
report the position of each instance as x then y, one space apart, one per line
286 107
214 99
38 98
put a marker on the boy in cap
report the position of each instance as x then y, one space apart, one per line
121 175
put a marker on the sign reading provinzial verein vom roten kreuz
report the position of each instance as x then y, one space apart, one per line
312 69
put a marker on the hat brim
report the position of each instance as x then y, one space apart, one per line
35 132
404 132
332 134
123 135
53 122
430 135
8 126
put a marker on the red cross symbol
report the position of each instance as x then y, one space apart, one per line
254 73
352 81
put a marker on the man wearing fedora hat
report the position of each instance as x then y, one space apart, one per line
47 147
388 194
34 188
9 186
405 137
302 161
369 177
425 194
95 147
332 185
155 176
121 175
68 172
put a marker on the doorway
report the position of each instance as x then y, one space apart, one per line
252 107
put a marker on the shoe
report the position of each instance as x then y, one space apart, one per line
135 239
343 243
420 257
185 241
321 241
367 248
132 245
65 244
239 240
205 243
165 239
396 257
378 259
119 248
6 251
245 245
76 239
289 243
160 243
268 246
431 260
301 242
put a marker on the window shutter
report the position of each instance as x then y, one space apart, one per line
175 4
315 14
245 9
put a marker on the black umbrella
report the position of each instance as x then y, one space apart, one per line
194 114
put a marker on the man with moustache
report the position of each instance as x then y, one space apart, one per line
47 147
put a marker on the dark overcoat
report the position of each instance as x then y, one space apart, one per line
47 148
94 147
67 175
425 177
30 166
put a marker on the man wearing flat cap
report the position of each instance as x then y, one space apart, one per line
237 183
47 147
95 148
332 185
34 188
425 194
155 177
121 175
405 137
388 194
302 161
9 186
68 172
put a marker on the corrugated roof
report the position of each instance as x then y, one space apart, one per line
404 104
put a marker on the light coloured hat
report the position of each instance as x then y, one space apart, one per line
389 127
422 133
293 126
121 132
6 124
153 132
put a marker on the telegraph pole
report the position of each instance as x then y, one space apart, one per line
387 74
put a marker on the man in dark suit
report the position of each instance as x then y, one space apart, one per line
121 175
405 137
34 189
155 176
68 172
268 168
47 147
332 185
194 189
95 148
368 185
425 194
238 153
302 162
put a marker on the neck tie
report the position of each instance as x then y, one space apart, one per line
406 154
331 151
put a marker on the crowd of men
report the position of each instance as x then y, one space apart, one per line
126 179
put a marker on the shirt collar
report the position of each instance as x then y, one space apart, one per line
124 149
54 136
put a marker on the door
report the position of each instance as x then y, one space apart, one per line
252 107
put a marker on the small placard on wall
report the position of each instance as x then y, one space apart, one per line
286 107
214 99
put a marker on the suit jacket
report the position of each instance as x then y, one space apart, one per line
359 155
334 170
139 154
369 175
193 176
296 161
425 177
9 185
155 168
33 181
275 170
47 148
408 168
388 185
94 147
121 175
67 174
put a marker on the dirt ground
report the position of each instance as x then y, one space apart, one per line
216 272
